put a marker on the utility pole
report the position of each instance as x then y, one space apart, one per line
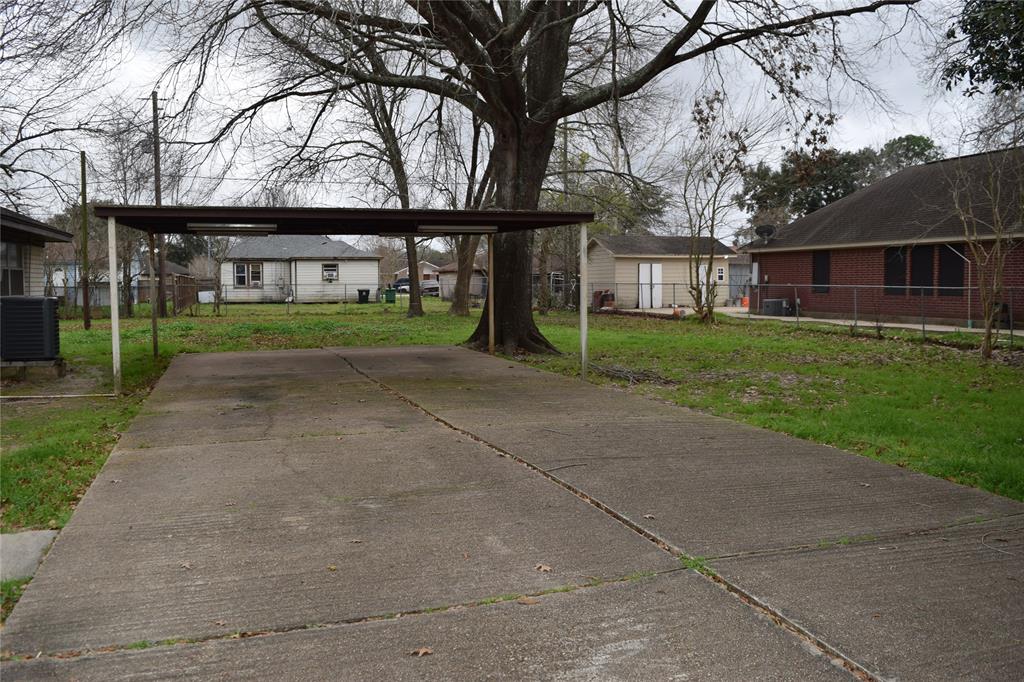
84 271
162 302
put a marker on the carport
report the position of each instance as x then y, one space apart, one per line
250 221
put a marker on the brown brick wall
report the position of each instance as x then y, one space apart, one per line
865 267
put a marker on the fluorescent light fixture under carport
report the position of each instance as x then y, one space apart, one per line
456 229
231 228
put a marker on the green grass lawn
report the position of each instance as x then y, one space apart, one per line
923 406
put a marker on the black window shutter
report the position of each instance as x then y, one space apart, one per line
922 270
895 271
951 270
820 272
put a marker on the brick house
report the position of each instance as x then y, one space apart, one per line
896 250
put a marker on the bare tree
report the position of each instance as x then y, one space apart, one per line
710 177
520 67
987 193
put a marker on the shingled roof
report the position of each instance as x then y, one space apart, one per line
914 205
652 245
294 246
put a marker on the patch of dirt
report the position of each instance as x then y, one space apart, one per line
78 378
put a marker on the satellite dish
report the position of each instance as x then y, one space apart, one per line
765 232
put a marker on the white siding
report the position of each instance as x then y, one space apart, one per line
600 268
276 282
675 278
446 284
353 275
35 284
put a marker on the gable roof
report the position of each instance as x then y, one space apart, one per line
653 245
479 265
294 246
421 264
914 205
24 227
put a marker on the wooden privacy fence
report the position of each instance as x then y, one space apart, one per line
181 290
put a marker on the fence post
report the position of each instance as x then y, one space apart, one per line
796 304
1011 317
855 309
924 334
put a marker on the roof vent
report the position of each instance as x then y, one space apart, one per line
765 232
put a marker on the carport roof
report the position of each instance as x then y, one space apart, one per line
321 221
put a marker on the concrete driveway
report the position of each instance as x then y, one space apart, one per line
323 514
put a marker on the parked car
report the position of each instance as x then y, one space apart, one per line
428 287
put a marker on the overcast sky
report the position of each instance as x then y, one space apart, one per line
899 71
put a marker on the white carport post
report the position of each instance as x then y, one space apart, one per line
583 301
490 294
115 305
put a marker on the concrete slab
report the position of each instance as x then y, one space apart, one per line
201 539
271 492
713 487
20 553
944 605
675 626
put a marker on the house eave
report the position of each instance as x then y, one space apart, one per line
864 245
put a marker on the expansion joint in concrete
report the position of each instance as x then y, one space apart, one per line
840 659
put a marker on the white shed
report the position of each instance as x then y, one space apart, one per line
648 271
305 268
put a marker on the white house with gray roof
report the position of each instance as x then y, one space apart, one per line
305 268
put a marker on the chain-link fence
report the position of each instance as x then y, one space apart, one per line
932 308
875 303
659 295
182 294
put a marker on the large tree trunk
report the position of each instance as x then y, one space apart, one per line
465 258
520 154
413 259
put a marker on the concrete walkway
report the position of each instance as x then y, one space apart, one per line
321 514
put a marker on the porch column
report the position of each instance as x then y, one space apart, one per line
115 303
583 302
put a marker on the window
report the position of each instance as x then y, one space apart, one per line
895 271
821 265
249 275
11 261
922 270
330 272
720 274
951 270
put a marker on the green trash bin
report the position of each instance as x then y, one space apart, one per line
389 295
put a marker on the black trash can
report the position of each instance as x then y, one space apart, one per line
364 295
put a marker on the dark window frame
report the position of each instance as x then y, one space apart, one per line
922 270
821 271
894 285
12 277
951 270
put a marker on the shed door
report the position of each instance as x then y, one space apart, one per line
649 285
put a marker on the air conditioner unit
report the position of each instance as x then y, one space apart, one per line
330 277
29 328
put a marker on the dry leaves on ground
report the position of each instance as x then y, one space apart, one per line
543 568
421 652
